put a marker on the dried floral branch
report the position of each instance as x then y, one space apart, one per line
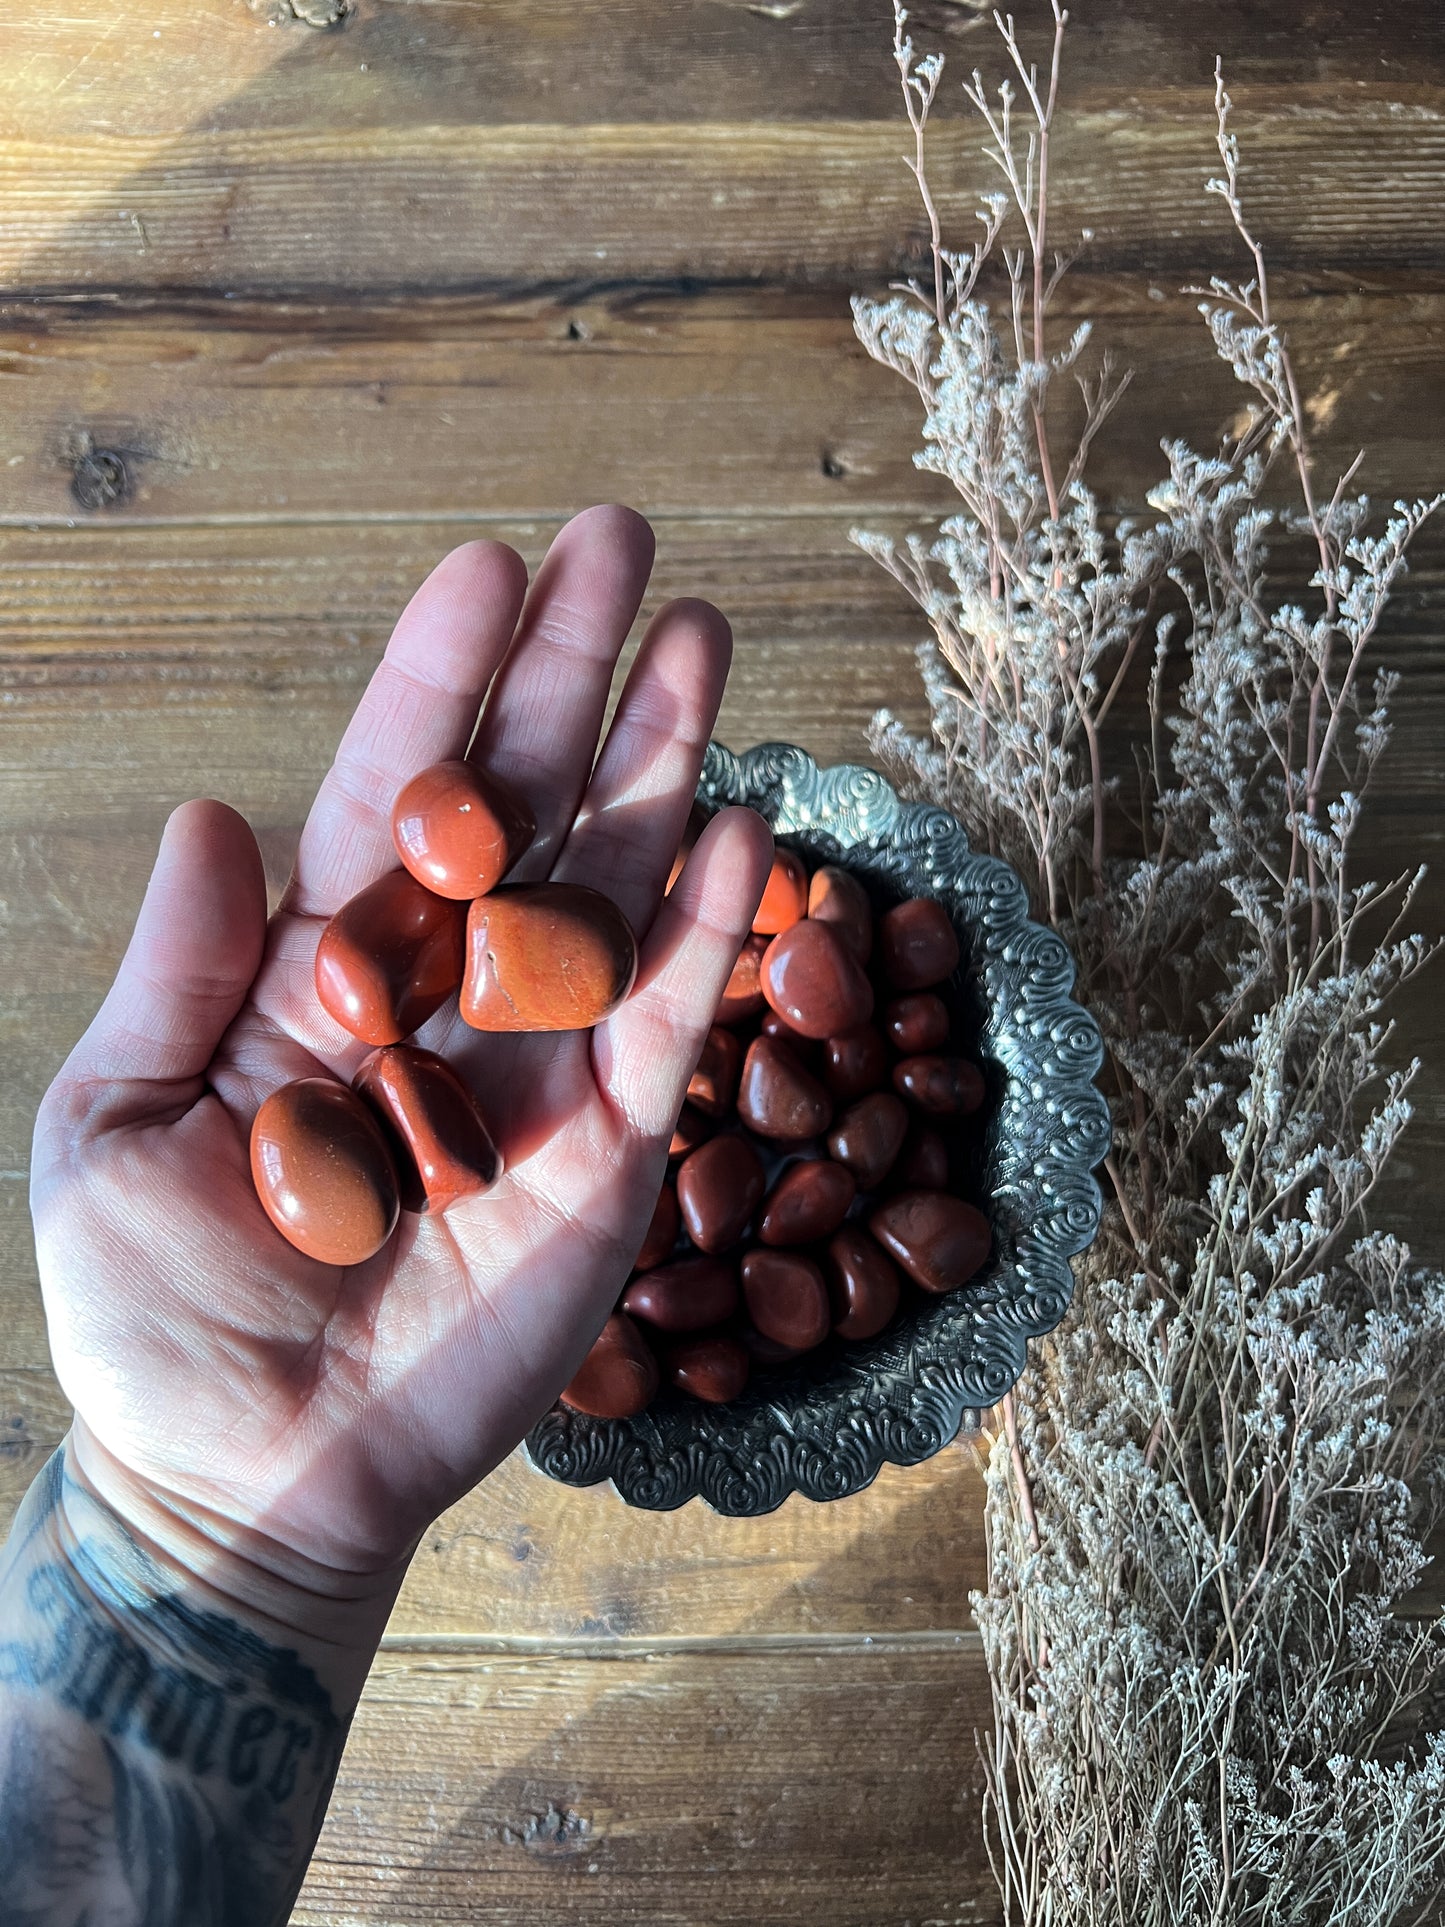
1213 1491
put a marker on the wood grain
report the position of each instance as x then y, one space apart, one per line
693 1789
1338 184
151 66
712 403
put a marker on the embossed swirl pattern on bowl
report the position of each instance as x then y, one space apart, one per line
825 1427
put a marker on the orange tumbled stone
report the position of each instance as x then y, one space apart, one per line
459 830
546 956
785 895
438 1137
323 1172
390 958
836 896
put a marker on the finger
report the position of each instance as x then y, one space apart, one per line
635 809
419 708
540 727
645 1054
195 949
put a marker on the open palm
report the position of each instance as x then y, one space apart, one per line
335 1411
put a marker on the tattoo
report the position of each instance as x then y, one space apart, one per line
160 1765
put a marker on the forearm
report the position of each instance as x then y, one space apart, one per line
167 1743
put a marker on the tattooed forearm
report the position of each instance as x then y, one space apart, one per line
161 1763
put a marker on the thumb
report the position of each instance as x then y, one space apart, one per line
190 962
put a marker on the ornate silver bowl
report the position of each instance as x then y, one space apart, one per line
824 1425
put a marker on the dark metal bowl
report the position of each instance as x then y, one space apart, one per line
824 1424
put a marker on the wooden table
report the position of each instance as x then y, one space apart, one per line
287 313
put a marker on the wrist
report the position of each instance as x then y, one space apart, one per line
121 1532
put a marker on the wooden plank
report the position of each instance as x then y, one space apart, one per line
146 65
1338 182
727 403
751 1786
523 1556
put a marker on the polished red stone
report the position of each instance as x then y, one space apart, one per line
714 1084
697 822
714 1368
438 1137
814 982
742 995
323 1172
917 1023
836 897
691 1129
719 1186
390 958
661 1233
785 895
685 1296
939 1240
619 1376
917 944
941 1086
766 1351
786 1298
855 1061
546 956
868 1137
807 1049
863 1283
777 1097
923 1162
459 830
808 1201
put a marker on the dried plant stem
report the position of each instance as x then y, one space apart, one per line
1214 1486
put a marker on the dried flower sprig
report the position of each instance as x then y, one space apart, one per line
1214 1490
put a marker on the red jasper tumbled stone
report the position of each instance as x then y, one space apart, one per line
807 1049
713 1085
691 1129
814 982
713 1367
719 1186
785 895
685 1296
661 1233
777 1097
786 1298
939 1240
743 996
545 957
923 1162
323 1172
619 1377
941 1086
390 958
917 1023
836 897
917 944
855 1061
459 830
438 1137
808 1201
863 1283
868 1137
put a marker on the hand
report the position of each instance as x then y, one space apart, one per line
310 1419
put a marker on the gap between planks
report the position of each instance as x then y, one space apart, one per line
644 1646
470 518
